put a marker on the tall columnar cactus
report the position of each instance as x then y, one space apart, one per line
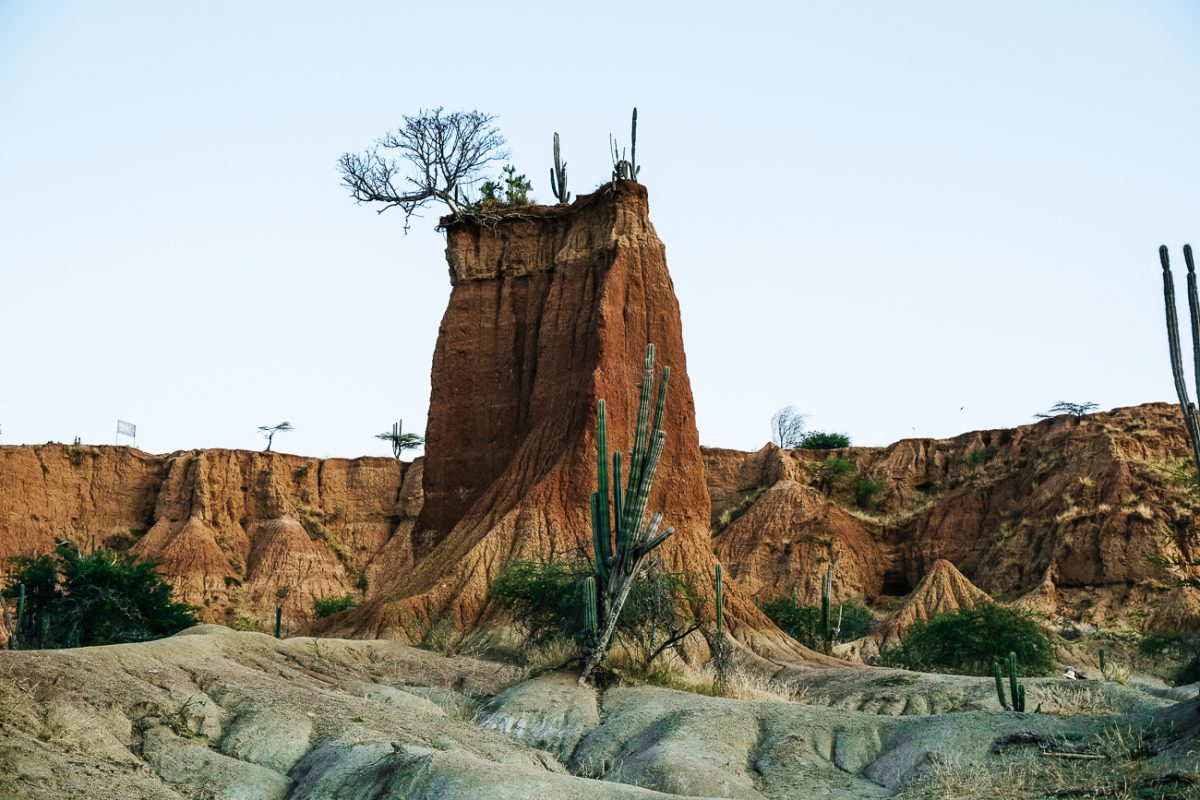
826 603
1015 689
558 176
278 621
634 169
720 601
20 612
1103 663
1191 418
999 684
621 538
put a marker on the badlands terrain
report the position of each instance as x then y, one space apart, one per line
422 688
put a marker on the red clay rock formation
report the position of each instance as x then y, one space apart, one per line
236 532
781 545
551 311
1073 517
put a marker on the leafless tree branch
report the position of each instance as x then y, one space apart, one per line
428 158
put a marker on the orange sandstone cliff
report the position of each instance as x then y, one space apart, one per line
1072 518
236 532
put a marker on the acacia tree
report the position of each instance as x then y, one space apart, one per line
400 440
269 432
787 428
432 156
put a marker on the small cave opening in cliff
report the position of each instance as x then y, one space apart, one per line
895 584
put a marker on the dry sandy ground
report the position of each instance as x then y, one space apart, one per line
212 713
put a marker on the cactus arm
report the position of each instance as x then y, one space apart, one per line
720 599
603 528
999 684
1013 687
620 532
660 406
633 167
601 559
590 614
1185 404
1193 310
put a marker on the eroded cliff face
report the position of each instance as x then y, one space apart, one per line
236 532
550 312
1073 518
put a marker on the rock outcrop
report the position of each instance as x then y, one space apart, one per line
1073 517
236 532
551 310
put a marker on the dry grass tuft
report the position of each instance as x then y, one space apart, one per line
1122 772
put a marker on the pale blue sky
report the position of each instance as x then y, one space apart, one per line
878 212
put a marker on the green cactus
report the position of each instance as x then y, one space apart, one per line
634 169
1103 663
999 684
590 620
558 176
20 611
720 601
621 538
1015 689
278 621
827 629
625 169
1191 418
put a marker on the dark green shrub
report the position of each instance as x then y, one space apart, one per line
820 440
867 491
968 640
979 456
332 604
545 598
803 623
102 597
832 473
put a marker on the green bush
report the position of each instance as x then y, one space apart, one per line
546 599
968 640
332 604
832 473
867 491
803 623
102 597
820 440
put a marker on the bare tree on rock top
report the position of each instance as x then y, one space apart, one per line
787 428
445 153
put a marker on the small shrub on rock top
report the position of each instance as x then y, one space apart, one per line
820 440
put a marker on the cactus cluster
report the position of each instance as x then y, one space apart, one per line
1016 690
621 542
625 169
1191 418
558 176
